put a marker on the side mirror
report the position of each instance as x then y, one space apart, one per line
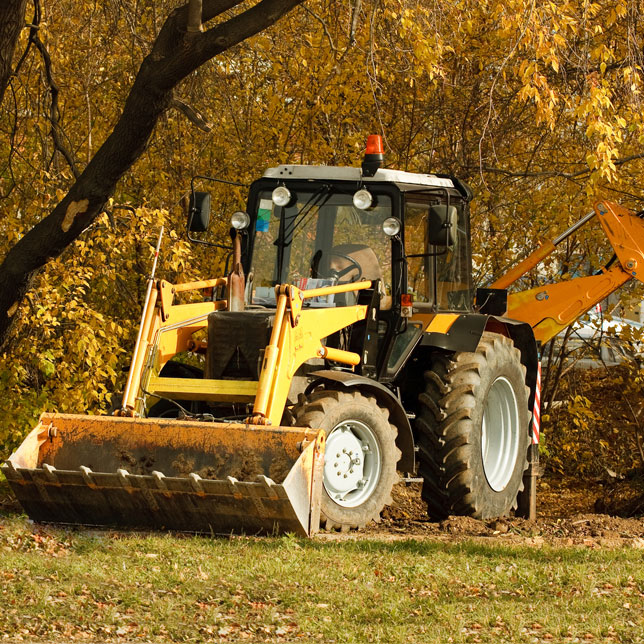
199 212
443 220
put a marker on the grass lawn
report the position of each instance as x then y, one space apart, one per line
63 585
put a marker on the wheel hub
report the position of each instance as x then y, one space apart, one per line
500 434
351 463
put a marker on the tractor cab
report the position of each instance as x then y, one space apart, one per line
313 226
321 226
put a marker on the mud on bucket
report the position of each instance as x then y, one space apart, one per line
161 473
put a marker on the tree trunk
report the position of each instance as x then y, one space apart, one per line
175 54
12 20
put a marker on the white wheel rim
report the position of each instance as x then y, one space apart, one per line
500 434
351 463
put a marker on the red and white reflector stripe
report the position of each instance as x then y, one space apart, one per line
536 412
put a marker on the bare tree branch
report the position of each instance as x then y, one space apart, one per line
637 426
324 26
355 15
194 17
54 114
191 114
12 20
33 29
213 8
553 173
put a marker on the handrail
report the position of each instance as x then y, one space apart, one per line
195 286
338 288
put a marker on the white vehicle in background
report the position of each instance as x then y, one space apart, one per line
597 339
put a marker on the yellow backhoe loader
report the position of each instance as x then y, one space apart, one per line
345 345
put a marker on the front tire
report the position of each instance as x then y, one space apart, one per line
360 456
473 427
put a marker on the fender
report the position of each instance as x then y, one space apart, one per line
466 331
386 398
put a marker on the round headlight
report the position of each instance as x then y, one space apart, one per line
281 196
240 220
362 199
391 226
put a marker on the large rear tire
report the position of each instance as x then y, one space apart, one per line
360 457
473 426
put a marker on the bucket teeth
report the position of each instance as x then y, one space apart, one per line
268 485
195 479
51 472
124 478
159 477
87 475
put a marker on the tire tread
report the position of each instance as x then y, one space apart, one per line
445 428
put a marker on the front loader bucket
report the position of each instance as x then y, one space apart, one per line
180 475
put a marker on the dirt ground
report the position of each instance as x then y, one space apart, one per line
568 513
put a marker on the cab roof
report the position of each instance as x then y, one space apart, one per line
404 180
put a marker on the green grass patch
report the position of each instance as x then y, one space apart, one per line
59 585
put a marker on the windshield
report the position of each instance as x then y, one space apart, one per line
319 239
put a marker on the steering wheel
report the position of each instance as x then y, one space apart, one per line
353 264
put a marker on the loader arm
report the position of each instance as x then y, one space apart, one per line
297 336
550 309
166 329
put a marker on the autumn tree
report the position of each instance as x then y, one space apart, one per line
536 105
181 46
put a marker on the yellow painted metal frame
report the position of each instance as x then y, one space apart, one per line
167 329
203 389
297 336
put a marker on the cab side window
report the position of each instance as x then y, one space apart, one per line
438 275
418 268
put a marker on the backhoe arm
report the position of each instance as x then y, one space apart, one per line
551 308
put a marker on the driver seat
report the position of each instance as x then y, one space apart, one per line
362 255
367 259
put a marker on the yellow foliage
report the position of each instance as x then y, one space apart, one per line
534 104
592 429
78 323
